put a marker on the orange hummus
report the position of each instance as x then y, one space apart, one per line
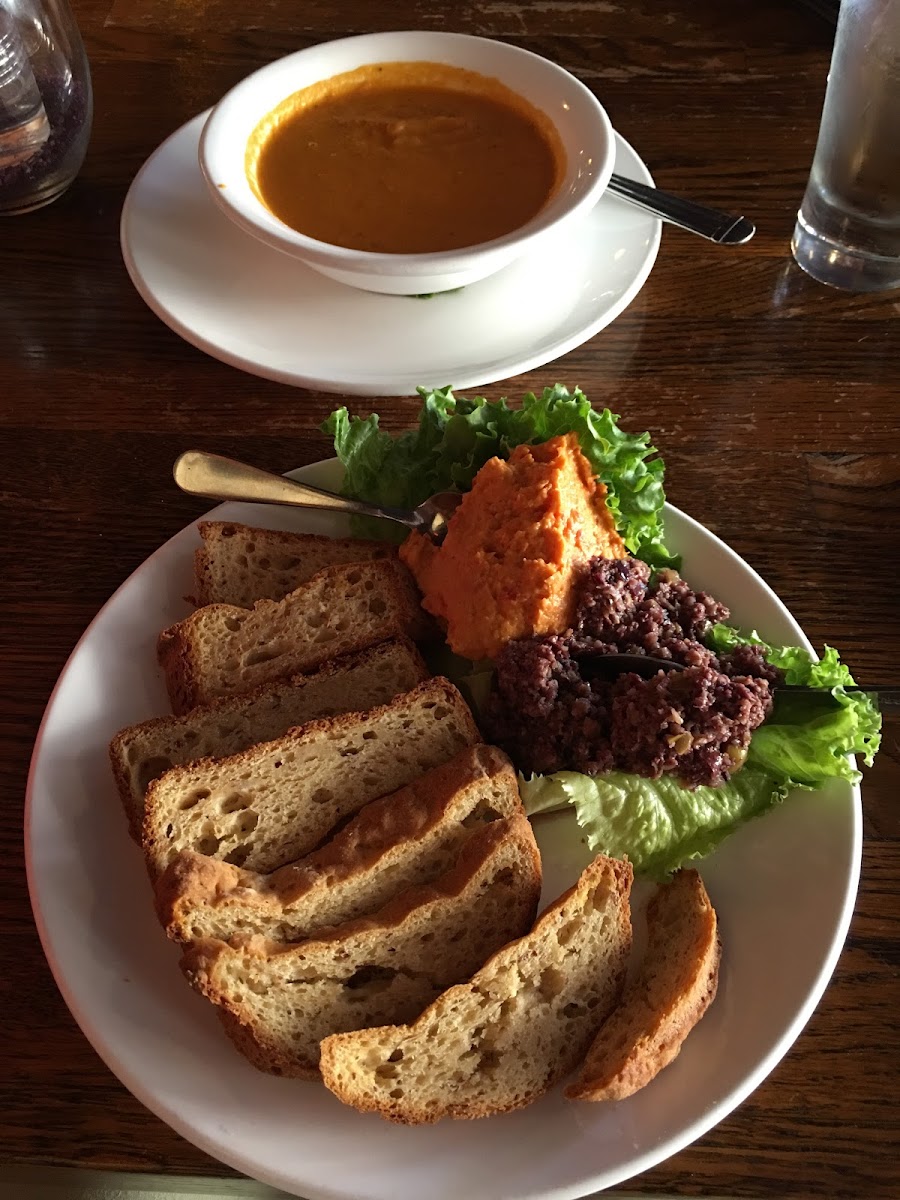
510 562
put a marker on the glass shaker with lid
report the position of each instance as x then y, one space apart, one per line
46 102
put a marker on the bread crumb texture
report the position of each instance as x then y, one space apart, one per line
520 1025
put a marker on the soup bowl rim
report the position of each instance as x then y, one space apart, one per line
581 122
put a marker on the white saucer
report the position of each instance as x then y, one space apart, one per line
268 314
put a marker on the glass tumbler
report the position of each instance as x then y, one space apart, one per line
848 227
46 102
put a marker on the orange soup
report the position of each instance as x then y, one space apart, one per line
405 158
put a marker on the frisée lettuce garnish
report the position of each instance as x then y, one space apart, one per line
456 436
660 824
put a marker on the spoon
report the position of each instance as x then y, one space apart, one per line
219 478
710 223
609 666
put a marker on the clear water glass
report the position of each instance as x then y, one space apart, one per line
46 102
848 227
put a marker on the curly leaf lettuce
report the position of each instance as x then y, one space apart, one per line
657 823
456 436
808 737
660 824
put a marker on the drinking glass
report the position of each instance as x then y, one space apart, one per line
45 102
848 227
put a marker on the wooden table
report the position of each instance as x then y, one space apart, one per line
775 400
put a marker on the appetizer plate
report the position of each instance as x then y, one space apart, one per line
783 886
262 311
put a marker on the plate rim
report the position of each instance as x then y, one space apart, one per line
222 1150
385 383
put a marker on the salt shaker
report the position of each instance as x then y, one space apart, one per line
46 103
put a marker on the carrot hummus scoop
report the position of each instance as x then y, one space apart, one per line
511 558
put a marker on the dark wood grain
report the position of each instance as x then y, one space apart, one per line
775 401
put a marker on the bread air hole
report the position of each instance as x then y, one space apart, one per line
377 606
152 769
325 634
567 932
238 856
551 983
247 821
207 845
233 624
233 803
481 814
321 796
191 800
263 655
370 979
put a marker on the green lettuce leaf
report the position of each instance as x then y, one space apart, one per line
807 738
456 436
657 823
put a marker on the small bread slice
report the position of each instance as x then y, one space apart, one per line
673 989
520 1025
278 1002
240 564
409 837
221 649
275 802
141 753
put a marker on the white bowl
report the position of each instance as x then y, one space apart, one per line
583 126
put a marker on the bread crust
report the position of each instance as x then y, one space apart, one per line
673 989
168 729
353 1046
387 831
165 797
190 674
307 548
206 962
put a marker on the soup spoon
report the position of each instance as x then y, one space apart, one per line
722 228
220 478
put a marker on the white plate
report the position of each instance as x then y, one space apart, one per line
265 312
783 887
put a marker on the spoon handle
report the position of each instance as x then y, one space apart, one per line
710 223
220 478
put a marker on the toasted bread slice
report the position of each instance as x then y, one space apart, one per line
278 1002
276 801
221 649
521 1024
240 564
673 989
408 837
141 753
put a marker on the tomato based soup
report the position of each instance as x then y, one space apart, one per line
405 158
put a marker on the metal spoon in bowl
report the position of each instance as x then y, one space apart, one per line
219 478
710 223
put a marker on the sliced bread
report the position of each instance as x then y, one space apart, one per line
278 1002
141 753
520 1025
240 564
221 649
275 802
408 837
672 990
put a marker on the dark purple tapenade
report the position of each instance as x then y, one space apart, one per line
551 712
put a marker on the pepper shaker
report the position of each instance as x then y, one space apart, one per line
46 103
